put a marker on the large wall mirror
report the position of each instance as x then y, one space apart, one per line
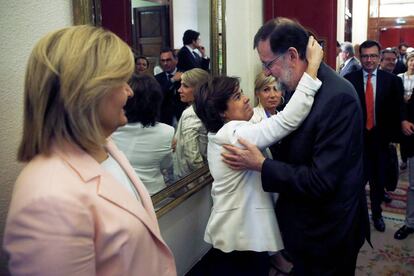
149 25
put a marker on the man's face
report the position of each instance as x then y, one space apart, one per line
388 62
344 55
370 58
167 62
276 65
403 50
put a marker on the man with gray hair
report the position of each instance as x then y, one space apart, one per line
318 169
388 59
347 54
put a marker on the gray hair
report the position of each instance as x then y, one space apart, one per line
348 47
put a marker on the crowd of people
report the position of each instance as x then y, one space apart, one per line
101 134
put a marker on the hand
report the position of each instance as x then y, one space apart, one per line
407 128
174 144
407 98
177 76
314 56
202 50
249 158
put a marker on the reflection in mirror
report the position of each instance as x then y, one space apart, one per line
206 17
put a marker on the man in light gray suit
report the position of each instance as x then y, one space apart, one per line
350 63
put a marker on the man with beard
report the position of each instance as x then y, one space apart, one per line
318 173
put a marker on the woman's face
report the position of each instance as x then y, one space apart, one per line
186 93
238 108
141 65
269 97
410 64
111 108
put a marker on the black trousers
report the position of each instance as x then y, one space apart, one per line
376 160
236 263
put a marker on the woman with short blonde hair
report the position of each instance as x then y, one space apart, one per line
190 139
268 95
78 208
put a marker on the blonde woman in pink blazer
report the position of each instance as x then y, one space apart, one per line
78 207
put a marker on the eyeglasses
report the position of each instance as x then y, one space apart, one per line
269 65
372 56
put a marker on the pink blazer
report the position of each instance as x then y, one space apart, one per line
68 216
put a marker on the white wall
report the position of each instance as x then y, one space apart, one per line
195 15
340 18
243 19
183 229
359 21
22 23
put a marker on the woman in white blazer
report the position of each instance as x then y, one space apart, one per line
78 207
242 226
190 139
146 142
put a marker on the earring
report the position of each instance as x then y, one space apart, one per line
282 100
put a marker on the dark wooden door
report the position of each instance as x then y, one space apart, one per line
151 30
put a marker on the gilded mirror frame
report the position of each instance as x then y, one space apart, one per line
89 12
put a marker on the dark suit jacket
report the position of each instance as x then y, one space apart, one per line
187 61
408 114
318 173
351 66
388 101
399 67
171 104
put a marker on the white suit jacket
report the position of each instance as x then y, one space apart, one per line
242 217
68 216
148 149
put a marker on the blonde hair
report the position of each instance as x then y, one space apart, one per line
262 80
195 77
69 71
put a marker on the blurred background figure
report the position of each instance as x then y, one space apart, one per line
350 63
190 140
388 59
408 82
170 80
401 66
192 54
141 65
146 142
78 207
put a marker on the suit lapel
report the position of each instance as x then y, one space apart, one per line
107 188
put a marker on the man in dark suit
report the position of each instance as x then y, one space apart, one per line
188 57
170 80
388 59
401 67
318 173
350 63
380 94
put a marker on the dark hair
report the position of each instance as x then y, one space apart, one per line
189 36
210 101
369 44
144 58
283 33
402 44
167 50
144 107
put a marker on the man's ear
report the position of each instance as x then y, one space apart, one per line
293 54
